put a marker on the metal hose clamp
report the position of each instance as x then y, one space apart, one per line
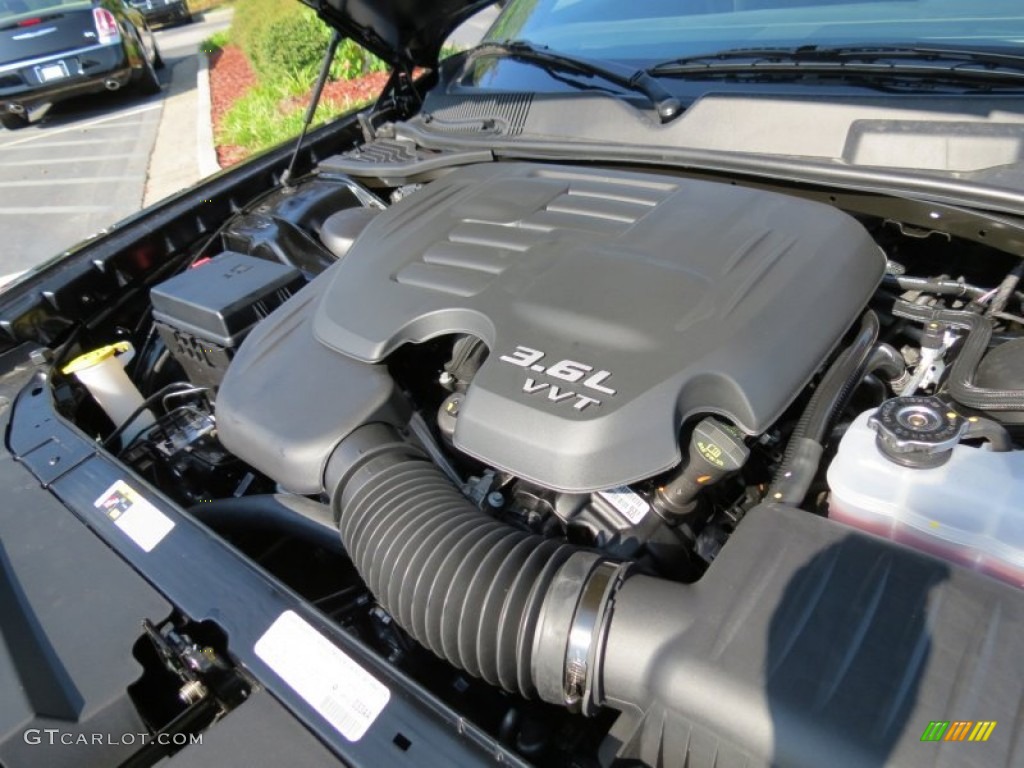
583 633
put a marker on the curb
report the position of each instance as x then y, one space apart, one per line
205 151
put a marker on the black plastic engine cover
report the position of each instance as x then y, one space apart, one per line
287 400
614 306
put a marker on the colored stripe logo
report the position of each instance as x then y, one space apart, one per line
958 730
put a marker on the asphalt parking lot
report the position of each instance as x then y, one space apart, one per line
84 166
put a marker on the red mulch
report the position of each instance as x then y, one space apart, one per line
341 93
231 76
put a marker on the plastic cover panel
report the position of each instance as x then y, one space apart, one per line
286 401
660 297
810 644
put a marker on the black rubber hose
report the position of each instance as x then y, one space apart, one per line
149 402
1006 290
992 432
282 513
960 383
934 285
841 379
886 360
804 451
946 287
465 585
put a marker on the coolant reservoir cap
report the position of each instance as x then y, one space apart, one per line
96 356
917 432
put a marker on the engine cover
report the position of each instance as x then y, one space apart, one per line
615 305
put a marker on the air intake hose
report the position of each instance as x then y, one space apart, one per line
511 607
546 619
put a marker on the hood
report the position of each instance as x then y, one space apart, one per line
402 32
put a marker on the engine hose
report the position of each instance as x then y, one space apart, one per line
1006 290
803 453
493 600
992 432
281 513
960 383
934 285
946 287
885 359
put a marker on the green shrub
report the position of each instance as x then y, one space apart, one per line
352 60
285 42
214 42
285 39
266 116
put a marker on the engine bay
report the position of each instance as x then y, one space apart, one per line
517 391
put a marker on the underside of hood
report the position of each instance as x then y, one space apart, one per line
402 32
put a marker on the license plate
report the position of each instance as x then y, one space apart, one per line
54 71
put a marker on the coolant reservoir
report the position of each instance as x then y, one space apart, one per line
967 507
101 371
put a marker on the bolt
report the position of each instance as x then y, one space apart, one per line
192 692
446 379
41 356
496 499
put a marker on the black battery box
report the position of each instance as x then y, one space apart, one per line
204 313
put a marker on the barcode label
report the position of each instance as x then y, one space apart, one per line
341 691
629 504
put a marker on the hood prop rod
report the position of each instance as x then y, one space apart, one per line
314 102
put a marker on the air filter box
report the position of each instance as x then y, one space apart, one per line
204 313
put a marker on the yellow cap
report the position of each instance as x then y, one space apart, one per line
97 356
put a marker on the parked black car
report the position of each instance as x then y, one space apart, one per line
163 11
642 387
53 50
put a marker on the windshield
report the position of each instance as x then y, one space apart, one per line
653 30
11 10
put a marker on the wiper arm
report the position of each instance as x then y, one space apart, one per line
921 61
637 80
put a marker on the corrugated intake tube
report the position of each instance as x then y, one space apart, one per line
471 588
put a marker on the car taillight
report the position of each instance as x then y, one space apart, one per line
106 25
30 22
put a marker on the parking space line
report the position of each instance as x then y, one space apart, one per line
71 143
68 160
88 124
112 126
18 210
57 182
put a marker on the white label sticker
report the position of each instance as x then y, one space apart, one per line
629 504
141 521
344 693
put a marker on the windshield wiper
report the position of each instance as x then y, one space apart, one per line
637 80
918 61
